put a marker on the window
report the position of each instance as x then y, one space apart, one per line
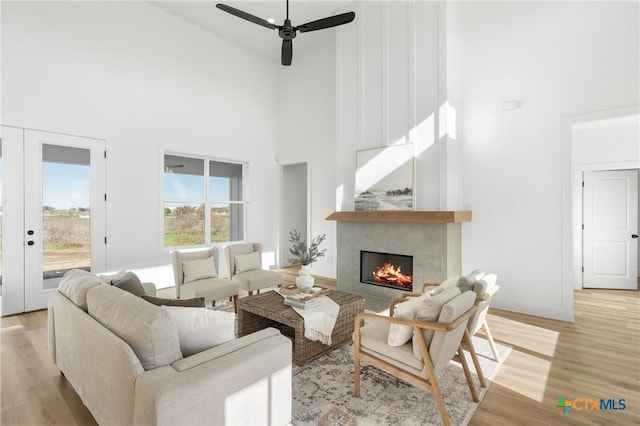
201 211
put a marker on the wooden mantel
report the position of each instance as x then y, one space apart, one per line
403 216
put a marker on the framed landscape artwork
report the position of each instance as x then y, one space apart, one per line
384 178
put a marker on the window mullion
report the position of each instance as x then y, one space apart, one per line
207 205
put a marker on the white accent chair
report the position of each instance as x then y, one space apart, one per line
207 284
484 287
371 345
245 267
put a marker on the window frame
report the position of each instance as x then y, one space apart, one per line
206 200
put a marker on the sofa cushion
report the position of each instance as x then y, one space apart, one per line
199 269
196 302
200 328
76 283
148 329
400 334
247 262
131 283
429 311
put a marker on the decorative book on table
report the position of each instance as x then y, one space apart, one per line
301 300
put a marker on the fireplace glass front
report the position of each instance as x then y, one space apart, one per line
386 270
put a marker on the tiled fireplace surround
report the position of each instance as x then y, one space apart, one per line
435 247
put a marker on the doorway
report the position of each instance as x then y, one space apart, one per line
53 213
610 229
294 205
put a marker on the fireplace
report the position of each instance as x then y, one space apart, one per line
387 270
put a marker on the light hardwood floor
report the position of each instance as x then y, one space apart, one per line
596 357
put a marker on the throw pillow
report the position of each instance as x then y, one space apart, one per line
109 278
196 302
485 284
247 262
429 310
131 283
200 269
400 334
448 283
201 328
467 282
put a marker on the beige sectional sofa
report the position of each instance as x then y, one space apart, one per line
122 356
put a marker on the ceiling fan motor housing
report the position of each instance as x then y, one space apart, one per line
287 32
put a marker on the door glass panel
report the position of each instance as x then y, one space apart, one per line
66 211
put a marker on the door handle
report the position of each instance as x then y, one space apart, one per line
634 235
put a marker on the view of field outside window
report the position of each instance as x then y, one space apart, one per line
66 209
185 201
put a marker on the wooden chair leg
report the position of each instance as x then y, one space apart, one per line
437 395
467 374
474 358
494 349
356 376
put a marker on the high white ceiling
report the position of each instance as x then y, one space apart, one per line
256 38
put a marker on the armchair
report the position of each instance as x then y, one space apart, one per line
245 267
371 346
484 287
196 275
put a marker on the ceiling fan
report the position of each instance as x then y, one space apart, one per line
288 32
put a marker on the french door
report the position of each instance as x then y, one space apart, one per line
53 213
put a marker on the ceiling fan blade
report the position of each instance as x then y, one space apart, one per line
287 52
246 16
332 21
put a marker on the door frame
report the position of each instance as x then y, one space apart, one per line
12 300
572 196
283 238
20 291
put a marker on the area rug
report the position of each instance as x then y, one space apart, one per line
323 392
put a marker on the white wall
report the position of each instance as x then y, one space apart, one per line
559 59
613 140
389 92
144 81
306 131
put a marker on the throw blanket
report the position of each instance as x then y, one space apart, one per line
320 320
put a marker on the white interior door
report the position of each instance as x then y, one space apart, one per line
56 213
610 237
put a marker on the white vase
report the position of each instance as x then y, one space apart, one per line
304 280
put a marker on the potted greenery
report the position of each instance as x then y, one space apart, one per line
304 255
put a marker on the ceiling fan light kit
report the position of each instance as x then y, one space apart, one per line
288 32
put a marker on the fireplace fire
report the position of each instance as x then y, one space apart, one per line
387 270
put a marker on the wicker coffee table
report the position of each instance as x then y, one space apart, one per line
268 310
